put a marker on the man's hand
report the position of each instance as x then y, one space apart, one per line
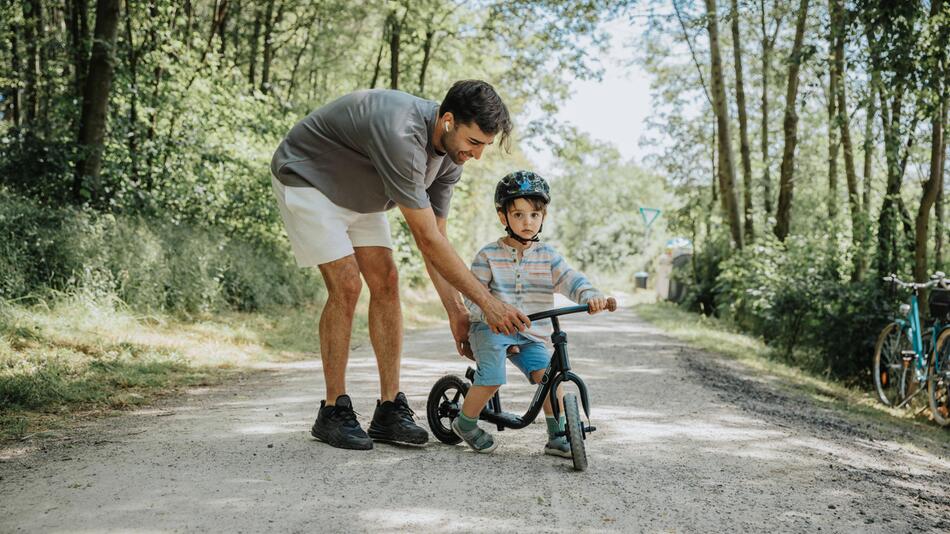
459 325
599 304
504 318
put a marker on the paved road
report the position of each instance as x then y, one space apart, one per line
686 442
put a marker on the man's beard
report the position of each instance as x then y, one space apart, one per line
451 148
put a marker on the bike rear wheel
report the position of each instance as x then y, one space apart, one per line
938 380
891 376
575 432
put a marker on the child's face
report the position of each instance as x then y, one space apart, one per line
524 219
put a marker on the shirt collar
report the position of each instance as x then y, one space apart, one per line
533 245
430 128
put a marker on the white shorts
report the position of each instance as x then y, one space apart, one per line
320 231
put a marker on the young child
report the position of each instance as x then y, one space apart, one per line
525 273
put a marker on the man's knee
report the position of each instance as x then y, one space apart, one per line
347 290
384 281
343 282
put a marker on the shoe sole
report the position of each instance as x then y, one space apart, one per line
345 446
558 452
375 435
486 450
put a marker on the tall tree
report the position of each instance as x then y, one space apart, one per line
16 94
768 44
744 150
79 42
95 103
727 170
842 118
936 59
34 34
832 107
790 128
892 29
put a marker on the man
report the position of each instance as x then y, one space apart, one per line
334 176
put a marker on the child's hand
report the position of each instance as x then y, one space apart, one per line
599 304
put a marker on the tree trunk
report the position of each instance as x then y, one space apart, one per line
940 227
395 28
95 104
33 31
767 46
743 126
16 101
934 182
224 12
132 58
887 236
426 57
292 86
255 44
790 128
79 41
268 46
843 120
832 130
727 171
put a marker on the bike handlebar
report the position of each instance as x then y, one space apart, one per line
546 314
935 279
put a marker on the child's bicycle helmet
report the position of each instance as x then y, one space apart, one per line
520 184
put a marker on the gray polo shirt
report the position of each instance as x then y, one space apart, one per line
368 151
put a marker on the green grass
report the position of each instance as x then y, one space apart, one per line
78 355
712 335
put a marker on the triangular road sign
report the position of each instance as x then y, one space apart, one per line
649 215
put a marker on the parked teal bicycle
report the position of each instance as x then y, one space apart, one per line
909 358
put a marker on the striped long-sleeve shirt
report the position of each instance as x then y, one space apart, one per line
528 284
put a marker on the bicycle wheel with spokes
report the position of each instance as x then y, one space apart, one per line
575 432
938 380
444 405
891 376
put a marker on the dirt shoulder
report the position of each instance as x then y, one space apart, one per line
686 441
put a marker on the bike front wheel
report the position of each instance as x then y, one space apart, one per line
575 432
938 380
891 376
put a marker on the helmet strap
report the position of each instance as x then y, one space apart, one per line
517 237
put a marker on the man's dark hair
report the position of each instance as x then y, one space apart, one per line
476 101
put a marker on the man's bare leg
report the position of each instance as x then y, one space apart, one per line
342 279
385 315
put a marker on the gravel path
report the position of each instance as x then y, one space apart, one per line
686 442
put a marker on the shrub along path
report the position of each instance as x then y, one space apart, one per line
686 441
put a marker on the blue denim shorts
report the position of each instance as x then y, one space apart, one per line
490 351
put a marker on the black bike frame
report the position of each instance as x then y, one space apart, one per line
558 371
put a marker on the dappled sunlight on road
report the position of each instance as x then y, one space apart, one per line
426 519
670 453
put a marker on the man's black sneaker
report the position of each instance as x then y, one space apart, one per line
338 427
393 423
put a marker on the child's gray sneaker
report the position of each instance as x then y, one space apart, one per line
477 439
558 447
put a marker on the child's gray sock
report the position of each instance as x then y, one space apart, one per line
466 424
554 426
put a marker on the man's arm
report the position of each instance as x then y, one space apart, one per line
451 300
437 250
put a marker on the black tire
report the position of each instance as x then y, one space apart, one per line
444 405
891 377
575 432
938 381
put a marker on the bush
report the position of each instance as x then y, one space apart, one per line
147 263
795 297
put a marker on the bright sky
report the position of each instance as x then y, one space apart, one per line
614 109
